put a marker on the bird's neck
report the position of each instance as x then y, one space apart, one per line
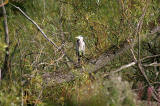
81 40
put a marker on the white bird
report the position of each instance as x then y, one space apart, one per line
80 47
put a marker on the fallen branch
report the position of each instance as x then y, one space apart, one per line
108 56
113 52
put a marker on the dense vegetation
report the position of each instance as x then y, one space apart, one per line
121 66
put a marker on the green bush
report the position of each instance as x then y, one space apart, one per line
10 94
109 92
113 92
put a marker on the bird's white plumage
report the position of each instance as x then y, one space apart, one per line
81 45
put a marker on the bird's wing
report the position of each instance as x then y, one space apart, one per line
77 47
83 47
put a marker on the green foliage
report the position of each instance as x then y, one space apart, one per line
2 47
101 92
10 94
111 92
2 51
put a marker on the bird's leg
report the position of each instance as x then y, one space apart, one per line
82 58
79 60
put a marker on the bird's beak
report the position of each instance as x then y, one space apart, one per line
77 37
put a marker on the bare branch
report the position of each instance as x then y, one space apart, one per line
138 29
158 55
152 64
124 67
110 55
36 26
154 94
132 50
45 36
133 63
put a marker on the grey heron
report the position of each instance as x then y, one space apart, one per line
80 47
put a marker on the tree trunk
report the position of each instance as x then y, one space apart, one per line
6 64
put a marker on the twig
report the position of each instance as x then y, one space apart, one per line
36 26
132 51
61 23
158 55
132 64
40 94
152 64
41 31
37 58
60 58
21 67
124 67
143 72
139 62
139 27
133 54
44 10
